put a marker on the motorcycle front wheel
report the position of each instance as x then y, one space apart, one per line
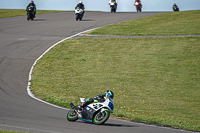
101 117
72 115
137 8
28 17
77 17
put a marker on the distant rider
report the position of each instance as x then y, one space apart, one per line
139 1
174 6
81 6
99 98
34 6
114 1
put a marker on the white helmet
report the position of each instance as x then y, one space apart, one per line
80 2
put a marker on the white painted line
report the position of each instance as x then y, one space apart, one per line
31 70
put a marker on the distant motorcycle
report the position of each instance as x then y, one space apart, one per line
30 13
79 13
175 8
113 7
138 6
97 112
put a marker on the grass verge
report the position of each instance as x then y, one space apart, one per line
155 80
6 13
175 23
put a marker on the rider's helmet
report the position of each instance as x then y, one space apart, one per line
80 2
31 1
109 93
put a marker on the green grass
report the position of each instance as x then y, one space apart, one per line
5 13
175 23
155 80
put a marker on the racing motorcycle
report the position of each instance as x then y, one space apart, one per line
113 7
30 13
138 6
175 8
79 13
96 112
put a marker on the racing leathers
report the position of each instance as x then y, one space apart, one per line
81 6
34 7
99 98
115 1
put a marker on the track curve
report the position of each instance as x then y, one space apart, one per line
22 42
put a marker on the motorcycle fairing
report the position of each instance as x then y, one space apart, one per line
85 120
30 10
87 113
110 105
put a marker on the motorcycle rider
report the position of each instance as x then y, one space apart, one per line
81 6
100 98
115 1
34 6
174 5
139 1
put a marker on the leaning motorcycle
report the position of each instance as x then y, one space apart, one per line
113 7
175 8
79 13
138 6
30 13
96 112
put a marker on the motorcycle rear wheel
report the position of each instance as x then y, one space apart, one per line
72 115
101 117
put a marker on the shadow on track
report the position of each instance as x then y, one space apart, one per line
118 125
109 124
87 20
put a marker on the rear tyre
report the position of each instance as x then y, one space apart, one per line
101 117
72 115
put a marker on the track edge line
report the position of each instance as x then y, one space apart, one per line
31 70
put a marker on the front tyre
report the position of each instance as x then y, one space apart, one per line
28 17
77 17
81 16
72 115
137 8
101 117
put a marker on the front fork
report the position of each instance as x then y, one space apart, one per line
74 108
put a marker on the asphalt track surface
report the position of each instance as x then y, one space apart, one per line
21 43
